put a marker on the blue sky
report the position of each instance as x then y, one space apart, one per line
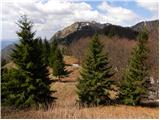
49 16
134 7
130 4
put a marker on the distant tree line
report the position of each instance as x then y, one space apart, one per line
28 85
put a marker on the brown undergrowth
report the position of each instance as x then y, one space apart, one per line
66 107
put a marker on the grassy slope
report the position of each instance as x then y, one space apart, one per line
66 107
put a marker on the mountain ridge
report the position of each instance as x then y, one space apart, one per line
79 30
83 29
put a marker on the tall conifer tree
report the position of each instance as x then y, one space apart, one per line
95 79
136 76
31 73
54 47
56 61
59 65
46 51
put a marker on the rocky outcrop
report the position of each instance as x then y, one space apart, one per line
150 25
152 96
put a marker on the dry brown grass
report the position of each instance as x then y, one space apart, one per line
118 112
65 106
70 60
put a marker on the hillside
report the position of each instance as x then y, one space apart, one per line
118 41
82 30
66 107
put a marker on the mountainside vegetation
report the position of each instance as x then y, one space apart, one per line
118 45
109 66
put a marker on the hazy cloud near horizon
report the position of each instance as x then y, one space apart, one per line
50 16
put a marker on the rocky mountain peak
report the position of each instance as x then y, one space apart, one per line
78 26
87 28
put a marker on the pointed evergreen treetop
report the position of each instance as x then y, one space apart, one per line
25 25
59 65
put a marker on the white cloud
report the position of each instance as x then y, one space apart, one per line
148 4
151 6
118 14
53 15
48 17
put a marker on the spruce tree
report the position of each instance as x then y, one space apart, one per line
54 47
44 46
59 65
46 51
95 78
31 74
56 61
136 76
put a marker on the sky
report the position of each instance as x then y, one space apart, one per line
50 16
